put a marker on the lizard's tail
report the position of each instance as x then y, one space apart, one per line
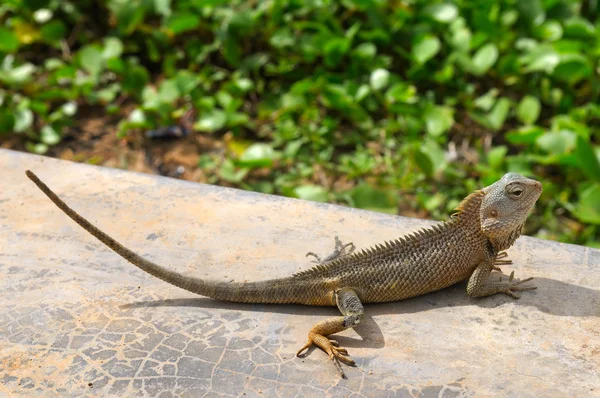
271 291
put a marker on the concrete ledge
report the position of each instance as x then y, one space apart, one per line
76 319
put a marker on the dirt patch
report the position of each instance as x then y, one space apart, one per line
94 140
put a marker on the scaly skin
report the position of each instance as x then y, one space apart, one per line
468 246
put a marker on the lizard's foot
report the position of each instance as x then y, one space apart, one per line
341 250
513 286
500 261
332 348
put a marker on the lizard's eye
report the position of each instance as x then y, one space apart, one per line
515 191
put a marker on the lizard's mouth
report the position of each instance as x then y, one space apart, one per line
533 196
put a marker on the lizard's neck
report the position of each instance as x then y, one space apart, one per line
468 215
504 242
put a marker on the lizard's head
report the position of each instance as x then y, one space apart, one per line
505 206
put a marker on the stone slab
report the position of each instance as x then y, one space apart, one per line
77 320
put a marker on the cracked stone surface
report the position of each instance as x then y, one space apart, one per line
76 319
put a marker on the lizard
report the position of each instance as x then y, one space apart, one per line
466 247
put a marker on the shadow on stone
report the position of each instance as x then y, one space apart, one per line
551 297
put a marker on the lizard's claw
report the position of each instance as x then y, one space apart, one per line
332 348
516 286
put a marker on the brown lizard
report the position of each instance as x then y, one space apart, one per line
468 246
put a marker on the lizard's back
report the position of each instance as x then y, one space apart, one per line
425 261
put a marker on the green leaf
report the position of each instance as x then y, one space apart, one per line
228 172
113 48
425 48
242 22
7 120
496 155
578 27
401 93
550 30
244 84
137 116
542 59
179 23
53 31
186 81
150 99
49 136
291 101
529 109
38 148
362 92
257 155
130 14
557 142
134 79
498 114
42 15
226 100
8 41
424 162
588 206
444 12
379 79
162 7
335 49
525 135
365 51
487 101
587 159
17 76
312 192
90 59
23 120
211 121
366 197
484 59
435 153
283 38
168 92
236 119
572 68
532 11
438 119
231 50
69 108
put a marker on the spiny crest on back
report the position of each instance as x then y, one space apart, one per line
410 239
469 206
467 209
319 268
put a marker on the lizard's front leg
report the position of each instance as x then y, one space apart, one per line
352 310
480 285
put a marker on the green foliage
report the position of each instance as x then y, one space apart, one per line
348 101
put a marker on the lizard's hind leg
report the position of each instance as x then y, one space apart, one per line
340 250
352 310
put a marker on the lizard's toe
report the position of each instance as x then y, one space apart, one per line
332 348
342 355
517 286
501 259
304 347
